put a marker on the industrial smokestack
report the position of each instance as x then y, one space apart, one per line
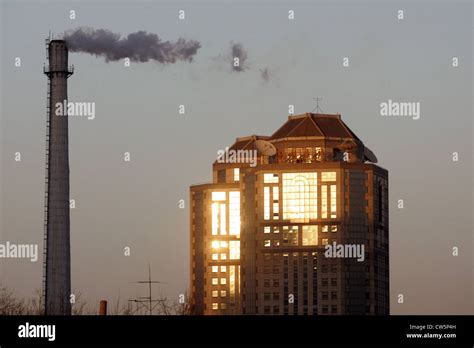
57 268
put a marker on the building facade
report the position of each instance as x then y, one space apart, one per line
293 224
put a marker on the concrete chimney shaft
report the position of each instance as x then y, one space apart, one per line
58 257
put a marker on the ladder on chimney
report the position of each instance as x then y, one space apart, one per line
45 235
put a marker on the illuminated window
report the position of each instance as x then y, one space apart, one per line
266 229
290 235
333 201
266 203
215 306
215 293
215 256
275 203
223 256
325 241
218 196
310 235
222 222
301 155
215 218
234 213
333 228
223 281
318 154
223 293
223 245
269 178
328 176
215 244
276 229
215 269
218 215
234 250
300 195
215 281
324 202
232 280
223 305
267 243
223 269
325 228
236 174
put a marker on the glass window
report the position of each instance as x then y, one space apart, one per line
275 203
215 218
223 293
215 256
222 218
324 201
223 256
234 213
318 153
223 281
290 235
266 229
215 293
300 193
215 269
333 201
234 250
215 306
328 176
310 235
270 178
218 196
236 174
266 203
215 281
232 277
223 269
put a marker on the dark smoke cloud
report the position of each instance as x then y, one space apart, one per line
139 47
238 51
265 74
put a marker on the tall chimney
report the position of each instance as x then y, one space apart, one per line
57 256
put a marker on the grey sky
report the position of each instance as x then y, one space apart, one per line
136 204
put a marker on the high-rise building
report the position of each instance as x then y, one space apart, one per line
293 223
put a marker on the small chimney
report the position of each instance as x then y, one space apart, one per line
103 307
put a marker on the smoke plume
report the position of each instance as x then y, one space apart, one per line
138 47
265 74
238 51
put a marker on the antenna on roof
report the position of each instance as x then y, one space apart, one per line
317 108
